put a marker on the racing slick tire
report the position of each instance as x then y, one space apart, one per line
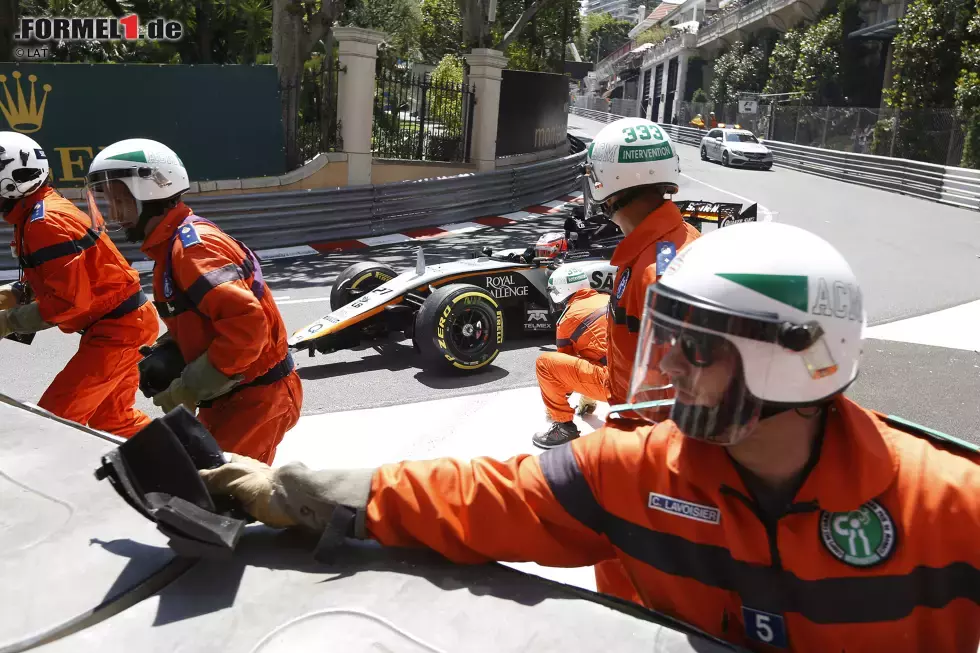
704 153
358 279
459 327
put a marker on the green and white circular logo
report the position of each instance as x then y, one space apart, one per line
862 537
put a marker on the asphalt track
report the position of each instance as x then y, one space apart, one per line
912 257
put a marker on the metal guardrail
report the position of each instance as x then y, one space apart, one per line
944 184
291 218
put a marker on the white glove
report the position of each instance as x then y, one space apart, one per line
22 319
291 495
586 406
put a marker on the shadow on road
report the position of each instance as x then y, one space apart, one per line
439 380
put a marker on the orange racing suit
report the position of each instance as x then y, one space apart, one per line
579 365
876 552
84 285
640 258
209 291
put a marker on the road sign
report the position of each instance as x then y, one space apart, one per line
748 106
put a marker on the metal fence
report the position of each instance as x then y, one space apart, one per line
305 217
939 183
317 129
616 106
419 119
928 135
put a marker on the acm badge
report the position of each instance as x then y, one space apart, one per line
860 538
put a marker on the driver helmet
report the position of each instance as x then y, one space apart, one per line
747 322
565 282
23 166
629 155
139 179
551 245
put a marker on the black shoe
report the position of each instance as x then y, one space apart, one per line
557 435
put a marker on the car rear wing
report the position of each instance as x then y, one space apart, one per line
718 214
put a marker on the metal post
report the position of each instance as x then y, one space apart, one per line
424 83
826 121
897 120
796 134
949 150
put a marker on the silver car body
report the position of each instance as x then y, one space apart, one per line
739 147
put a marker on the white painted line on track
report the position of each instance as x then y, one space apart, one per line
390 239
308 300
520 215
462 227
952 328
286 252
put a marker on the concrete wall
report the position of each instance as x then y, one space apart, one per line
329 176
384 171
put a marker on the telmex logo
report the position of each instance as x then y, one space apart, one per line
126 28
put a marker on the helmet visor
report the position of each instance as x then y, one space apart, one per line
708 358
687 352
110 199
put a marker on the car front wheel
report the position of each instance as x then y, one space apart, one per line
724 159
459 327
704 153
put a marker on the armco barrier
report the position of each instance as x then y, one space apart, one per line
290 218
944 184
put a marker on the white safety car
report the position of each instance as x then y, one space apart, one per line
735 147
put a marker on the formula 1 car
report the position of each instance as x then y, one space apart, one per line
459 314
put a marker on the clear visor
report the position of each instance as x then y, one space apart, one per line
110 201
687 352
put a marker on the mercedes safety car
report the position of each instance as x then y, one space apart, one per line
459 314
735 147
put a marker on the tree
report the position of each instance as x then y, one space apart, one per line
8 27
518 26
737 70
297 28
447 107
251 22
782 63
441 31
655 34
818 65
968 92
602 32
401 20
925 59
541 46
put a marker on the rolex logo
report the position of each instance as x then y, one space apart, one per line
23 116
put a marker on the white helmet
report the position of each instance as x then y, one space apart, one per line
131 172
23 165
767 316
631 153
565 282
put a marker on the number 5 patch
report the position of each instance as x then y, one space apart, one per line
765 627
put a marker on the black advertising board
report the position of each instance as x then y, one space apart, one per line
533 112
